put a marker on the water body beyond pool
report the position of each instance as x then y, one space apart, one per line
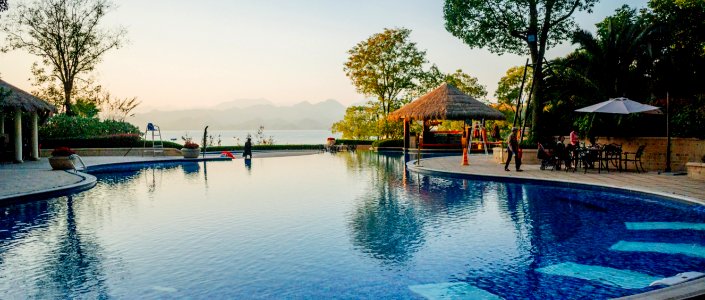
339 226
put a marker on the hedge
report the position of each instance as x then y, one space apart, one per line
63 126
388 143
353 142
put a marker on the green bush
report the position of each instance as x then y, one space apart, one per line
63 126
388 143
353 142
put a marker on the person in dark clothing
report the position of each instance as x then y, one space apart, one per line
513 149
247 153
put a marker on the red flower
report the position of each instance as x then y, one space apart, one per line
62 151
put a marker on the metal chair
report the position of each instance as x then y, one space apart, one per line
636 159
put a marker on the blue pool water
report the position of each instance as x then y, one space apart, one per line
353 226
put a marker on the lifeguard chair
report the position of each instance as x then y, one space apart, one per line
156 138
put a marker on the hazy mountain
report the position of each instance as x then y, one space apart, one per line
247 114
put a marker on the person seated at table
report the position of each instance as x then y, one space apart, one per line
562 152
593 142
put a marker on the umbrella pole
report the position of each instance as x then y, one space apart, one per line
668 137
521 90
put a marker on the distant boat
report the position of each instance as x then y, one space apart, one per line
173 139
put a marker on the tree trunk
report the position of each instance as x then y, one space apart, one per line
537 102
68 88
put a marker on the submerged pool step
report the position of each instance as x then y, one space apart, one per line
452 290
615 277
668 248
664 226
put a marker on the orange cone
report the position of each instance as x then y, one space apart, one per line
465 157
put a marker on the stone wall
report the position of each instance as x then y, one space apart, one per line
683 150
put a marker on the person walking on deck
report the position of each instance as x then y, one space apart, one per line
513 149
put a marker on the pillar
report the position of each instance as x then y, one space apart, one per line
2 123
406 134
18 135
35 136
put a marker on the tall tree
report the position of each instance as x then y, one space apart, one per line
385 66
3 5
65 34
516 26
433 78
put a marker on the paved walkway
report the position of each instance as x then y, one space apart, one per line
680 187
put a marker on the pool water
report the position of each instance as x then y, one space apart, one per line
354 226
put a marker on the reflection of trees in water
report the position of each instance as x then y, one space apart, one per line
386 227
73 267
19 220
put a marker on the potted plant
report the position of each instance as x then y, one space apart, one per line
61 158
190 149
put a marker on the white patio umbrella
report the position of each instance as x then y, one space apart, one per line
620 106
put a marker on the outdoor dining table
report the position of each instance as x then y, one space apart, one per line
589 156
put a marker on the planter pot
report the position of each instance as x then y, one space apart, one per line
61 163
191 153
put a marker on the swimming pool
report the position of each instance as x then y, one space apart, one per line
339 226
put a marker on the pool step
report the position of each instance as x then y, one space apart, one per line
615 277
452 290
693 250
664 226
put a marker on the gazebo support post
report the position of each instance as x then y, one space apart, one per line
406 134
18 135
466 144
35 136
2 123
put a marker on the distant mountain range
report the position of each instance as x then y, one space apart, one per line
247 114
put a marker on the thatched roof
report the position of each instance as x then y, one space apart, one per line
22 100
446 102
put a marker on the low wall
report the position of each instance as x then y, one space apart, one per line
683 150
528 156
115 152
696 170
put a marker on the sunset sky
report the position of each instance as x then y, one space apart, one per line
186 54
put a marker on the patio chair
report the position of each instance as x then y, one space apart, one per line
636 159
611 154
548 158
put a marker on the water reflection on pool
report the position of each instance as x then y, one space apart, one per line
337 226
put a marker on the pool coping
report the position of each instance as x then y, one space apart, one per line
87 182
568 183
684 290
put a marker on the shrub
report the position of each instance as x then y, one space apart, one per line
267 147
190 145
353 142
62 151
110 141
388 143
63 126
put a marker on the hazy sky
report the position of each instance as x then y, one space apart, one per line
184 54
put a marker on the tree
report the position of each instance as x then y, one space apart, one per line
385 66
514 26
66 35
358 123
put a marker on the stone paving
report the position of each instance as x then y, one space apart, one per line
679 186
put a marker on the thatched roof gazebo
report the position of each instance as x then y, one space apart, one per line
15 102
446 102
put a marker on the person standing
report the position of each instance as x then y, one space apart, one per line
574 138
247 153
513 149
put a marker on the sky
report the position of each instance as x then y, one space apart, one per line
196 54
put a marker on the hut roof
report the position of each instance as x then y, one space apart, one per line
23 100
446 102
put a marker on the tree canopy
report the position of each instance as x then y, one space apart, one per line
66 36
385 66
516 26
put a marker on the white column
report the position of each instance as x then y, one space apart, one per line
2 123
18 135
35 136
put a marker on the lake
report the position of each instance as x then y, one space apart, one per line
237 137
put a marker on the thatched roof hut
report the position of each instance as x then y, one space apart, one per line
446 103
23 100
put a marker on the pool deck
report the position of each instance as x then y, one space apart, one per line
673 186
36 180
